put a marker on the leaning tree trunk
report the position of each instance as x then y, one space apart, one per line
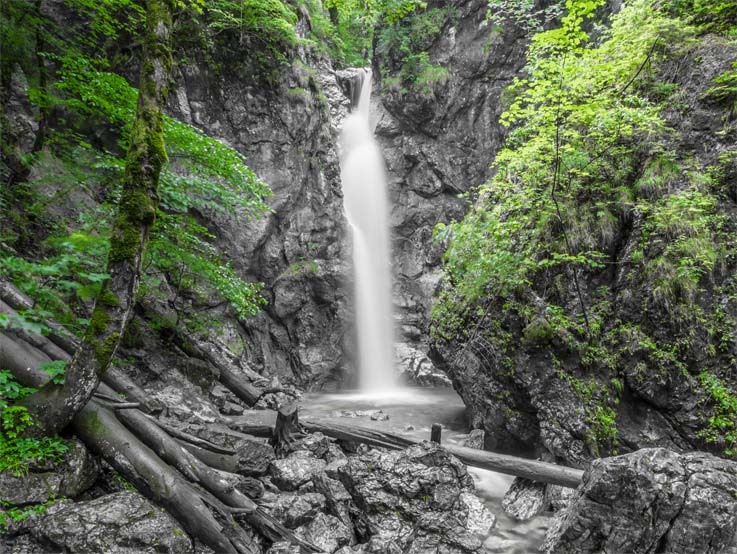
53 407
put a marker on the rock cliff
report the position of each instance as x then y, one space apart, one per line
439 136
660 377
288 134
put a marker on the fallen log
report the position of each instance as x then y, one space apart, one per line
203 499
502 463
101 431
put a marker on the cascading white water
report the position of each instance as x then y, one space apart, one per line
365 203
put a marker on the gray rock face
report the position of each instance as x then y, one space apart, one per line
120 523
294 510
288 135
70 478
524 499
414 501
515 391
652 500
326 532
439 142
297 469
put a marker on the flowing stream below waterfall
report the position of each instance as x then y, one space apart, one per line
411 414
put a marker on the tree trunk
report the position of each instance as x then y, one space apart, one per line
106 436
502 463
53 407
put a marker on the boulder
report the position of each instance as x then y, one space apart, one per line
326 532
295 470
524 499
416 368
415 500
120 523
75 474
254 457
338 500
294 510
475 439
653 500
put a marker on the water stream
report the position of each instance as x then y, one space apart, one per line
365 202
412 415
411 411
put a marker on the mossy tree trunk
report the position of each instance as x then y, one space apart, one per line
53 407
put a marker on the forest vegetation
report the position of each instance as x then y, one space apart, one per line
605 242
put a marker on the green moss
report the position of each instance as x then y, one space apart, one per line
99 322
89 421
539 331
104 350
137 212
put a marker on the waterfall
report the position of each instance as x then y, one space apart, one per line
365 203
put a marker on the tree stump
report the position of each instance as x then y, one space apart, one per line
286 429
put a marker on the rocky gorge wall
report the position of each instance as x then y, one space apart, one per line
288 135
660 379
438 139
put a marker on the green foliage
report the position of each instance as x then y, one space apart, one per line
61 283
253 36
577 124
205 175
55 370
403 44
10 389
259 22
179 250
722 425
712 15
522 13
724 91
9 513
15 452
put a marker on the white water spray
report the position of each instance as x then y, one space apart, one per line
365 202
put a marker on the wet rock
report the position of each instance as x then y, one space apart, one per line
227 402
326 532
650 500
120 523
199 372
253 488
316 444
75 474
475 439
375 415
294 510
286 395
295 470
338 500
524 499
412 500
480 520
557 498
416 368
254 457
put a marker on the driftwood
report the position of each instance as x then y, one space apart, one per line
502 463
168 465
200 513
